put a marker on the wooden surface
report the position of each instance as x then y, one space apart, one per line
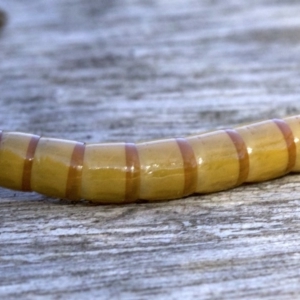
129 70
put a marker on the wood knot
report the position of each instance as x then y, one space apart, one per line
3 18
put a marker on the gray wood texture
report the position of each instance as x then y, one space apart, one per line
130 70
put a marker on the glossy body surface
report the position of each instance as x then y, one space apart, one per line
158 170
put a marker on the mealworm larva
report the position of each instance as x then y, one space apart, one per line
156 170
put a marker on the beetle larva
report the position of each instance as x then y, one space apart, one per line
157 170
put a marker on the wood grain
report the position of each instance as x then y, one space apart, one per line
139 70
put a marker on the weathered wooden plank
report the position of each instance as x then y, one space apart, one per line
139 70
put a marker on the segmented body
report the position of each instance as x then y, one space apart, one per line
157 170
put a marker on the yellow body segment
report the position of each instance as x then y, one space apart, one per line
217 159
268 155
162 173
104 173
51 166
13 149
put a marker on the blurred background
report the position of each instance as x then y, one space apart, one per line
101 70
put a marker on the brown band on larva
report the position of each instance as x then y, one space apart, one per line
242 153
0 137
133 169
189 165
290 142
73 187
26 179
